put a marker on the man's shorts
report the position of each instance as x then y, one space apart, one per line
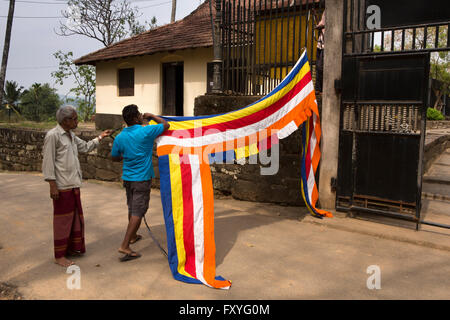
138 197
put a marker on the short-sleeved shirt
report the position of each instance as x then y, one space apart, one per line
135 145
60 157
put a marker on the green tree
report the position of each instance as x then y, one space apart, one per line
85 83
12 94
137 28
439 61
107 21
40 102
440 70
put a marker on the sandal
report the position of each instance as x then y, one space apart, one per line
130 256
74 253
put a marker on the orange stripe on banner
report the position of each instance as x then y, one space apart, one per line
314 196
316 158
209 264
318 129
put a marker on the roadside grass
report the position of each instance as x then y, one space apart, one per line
43 125
28 124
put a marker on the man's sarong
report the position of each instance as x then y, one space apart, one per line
68 223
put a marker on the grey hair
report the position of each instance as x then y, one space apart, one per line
65 112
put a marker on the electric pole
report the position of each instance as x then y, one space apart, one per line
6 47
174 10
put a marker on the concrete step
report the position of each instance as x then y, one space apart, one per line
436 212
439 173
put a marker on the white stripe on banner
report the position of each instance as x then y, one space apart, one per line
312 147
232 134
197 199
287 130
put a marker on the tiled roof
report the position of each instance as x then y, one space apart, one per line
194 31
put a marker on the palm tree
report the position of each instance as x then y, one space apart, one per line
12 95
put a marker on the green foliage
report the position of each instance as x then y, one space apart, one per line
11 96
440 70
377 48
137 28
107 21
39 102
433 114
85 83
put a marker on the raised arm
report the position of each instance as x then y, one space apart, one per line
88 146
150 116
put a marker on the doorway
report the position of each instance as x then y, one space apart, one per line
173 101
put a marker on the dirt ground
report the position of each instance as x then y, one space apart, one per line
267 251
9 292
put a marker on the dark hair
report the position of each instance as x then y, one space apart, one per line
130 113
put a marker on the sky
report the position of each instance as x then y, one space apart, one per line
33 40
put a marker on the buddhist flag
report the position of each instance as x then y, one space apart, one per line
188 202
187 149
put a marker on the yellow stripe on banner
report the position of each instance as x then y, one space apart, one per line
241 152
180 125
253 149
177 210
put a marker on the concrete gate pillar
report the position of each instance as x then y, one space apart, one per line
331 102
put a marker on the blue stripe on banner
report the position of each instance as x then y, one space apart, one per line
301 62
294 72
303 171
222 157
166 199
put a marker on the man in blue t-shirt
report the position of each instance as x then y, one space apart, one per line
134 145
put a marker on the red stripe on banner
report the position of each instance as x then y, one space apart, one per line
244 121
188 215
267 143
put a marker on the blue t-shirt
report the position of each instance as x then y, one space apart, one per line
135 145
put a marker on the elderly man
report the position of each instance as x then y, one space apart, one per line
61 169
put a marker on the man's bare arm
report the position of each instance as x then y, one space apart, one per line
150 116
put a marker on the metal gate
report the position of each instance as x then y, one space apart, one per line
383 107
263 39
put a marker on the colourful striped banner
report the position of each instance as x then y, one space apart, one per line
186 150
188 203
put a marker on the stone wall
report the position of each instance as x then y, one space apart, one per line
444 124
21 150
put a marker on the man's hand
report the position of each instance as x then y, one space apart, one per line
54 193
157 119
105 133
148 116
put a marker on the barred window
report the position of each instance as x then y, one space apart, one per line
126 82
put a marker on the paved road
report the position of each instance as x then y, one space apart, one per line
268 251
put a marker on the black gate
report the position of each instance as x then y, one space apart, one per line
385 76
